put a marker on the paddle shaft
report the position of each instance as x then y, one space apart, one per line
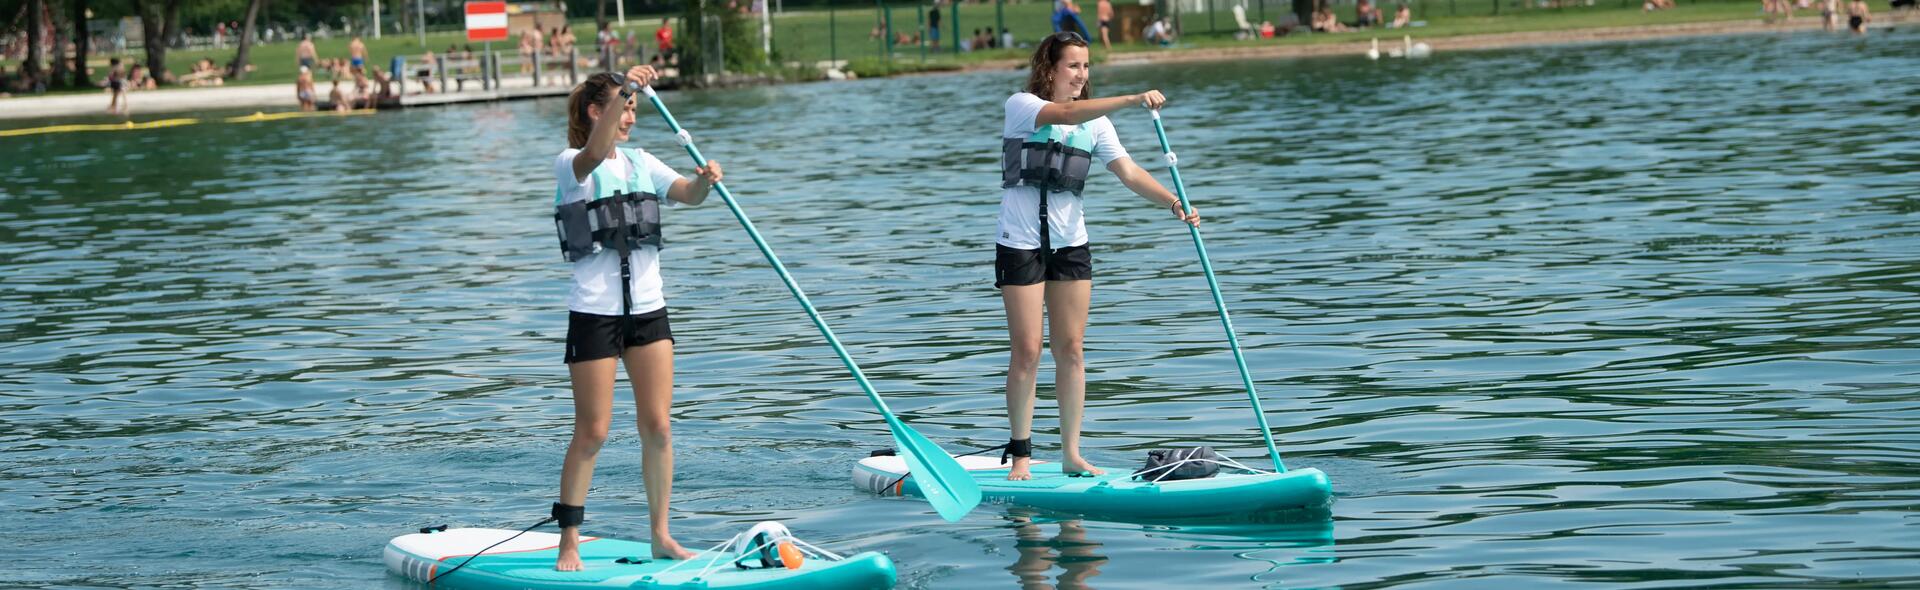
945 483
686 141
1206 265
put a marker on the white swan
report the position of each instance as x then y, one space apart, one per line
1415 49
1374 53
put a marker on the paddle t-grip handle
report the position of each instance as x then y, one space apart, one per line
633 87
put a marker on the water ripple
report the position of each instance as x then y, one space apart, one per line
1639 314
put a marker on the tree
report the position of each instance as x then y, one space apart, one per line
60 63
238 69
160 25
80 41
36 36
600 14
739 40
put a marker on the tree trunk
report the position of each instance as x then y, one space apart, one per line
1304 10
81 39
36 36
61 67
238 69
160 26
174 32
599 17
155 43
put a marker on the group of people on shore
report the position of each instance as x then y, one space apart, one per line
1366 16
982 39
560 41
364 85
1065 17
122 80
356 83
365 88
1857 13
206 73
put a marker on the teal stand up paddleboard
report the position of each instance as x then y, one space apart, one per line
1250 493
748 561
1237 491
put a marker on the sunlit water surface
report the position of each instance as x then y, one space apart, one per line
1637 315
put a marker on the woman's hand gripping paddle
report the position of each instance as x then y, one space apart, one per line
1206 265
942 480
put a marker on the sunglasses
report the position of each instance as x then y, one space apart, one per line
1066 37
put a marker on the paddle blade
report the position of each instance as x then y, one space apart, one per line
942 480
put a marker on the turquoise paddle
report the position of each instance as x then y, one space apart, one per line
1206 265
942 480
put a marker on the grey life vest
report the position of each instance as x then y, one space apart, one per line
623 214
1052 159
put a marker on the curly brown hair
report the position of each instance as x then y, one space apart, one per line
1046 56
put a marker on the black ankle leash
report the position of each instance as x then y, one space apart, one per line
564 514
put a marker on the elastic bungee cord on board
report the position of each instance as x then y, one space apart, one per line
889 452
576 514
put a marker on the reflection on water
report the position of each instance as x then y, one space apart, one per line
1636 315
1067 553
1078 558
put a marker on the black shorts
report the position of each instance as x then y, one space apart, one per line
1014 266
593 337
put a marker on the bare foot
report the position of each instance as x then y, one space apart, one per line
1021 469
664 547
569 552
1072 465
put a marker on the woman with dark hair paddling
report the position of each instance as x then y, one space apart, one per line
1043 265
607 212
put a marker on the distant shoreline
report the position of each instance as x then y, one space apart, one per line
279 97
1465 42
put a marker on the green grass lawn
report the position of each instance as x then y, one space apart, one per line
819 35
1604 14
804 36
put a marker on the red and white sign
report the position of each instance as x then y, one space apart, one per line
486 21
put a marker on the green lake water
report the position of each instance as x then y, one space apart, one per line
1628 316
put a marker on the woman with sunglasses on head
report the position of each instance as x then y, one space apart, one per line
607 211
1043 267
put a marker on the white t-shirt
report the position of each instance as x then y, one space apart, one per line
1020 205
594 278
